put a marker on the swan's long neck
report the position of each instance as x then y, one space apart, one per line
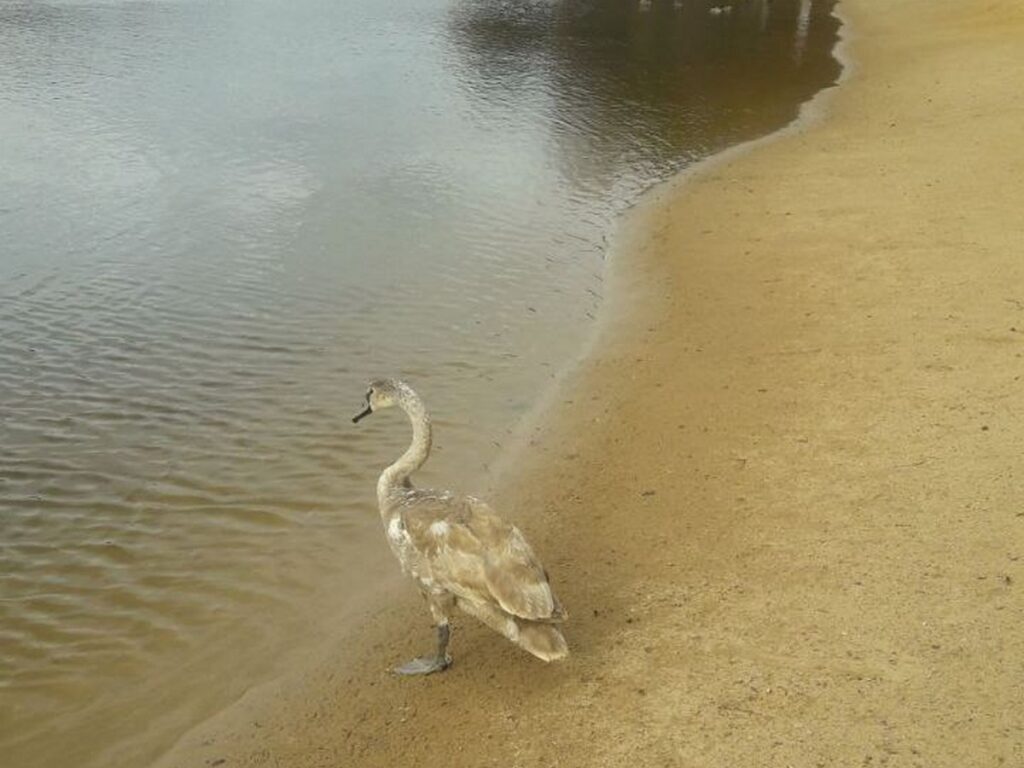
395 477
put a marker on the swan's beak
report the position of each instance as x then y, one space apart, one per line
362 414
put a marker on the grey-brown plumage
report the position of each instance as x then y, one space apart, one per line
459 551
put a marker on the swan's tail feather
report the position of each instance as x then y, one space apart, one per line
540 638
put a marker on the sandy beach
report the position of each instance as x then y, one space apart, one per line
781 497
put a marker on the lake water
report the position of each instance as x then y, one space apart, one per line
218 220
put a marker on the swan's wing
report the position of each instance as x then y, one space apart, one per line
515 577
476 555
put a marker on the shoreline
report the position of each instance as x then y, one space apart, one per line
616 306
738 497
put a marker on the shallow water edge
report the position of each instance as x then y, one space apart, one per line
625 293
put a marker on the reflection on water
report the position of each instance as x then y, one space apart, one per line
626 93
219 221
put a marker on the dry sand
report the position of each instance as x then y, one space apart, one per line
782 498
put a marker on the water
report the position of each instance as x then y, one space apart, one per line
218 220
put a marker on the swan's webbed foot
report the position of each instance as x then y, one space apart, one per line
425 665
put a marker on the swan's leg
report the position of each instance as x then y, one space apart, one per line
440 661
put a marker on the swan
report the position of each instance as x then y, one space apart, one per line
459 552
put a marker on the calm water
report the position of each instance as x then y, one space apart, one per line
218 220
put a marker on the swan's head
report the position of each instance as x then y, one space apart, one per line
383 393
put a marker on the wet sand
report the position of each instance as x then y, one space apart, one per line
781 497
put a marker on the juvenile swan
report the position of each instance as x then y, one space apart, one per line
459 551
